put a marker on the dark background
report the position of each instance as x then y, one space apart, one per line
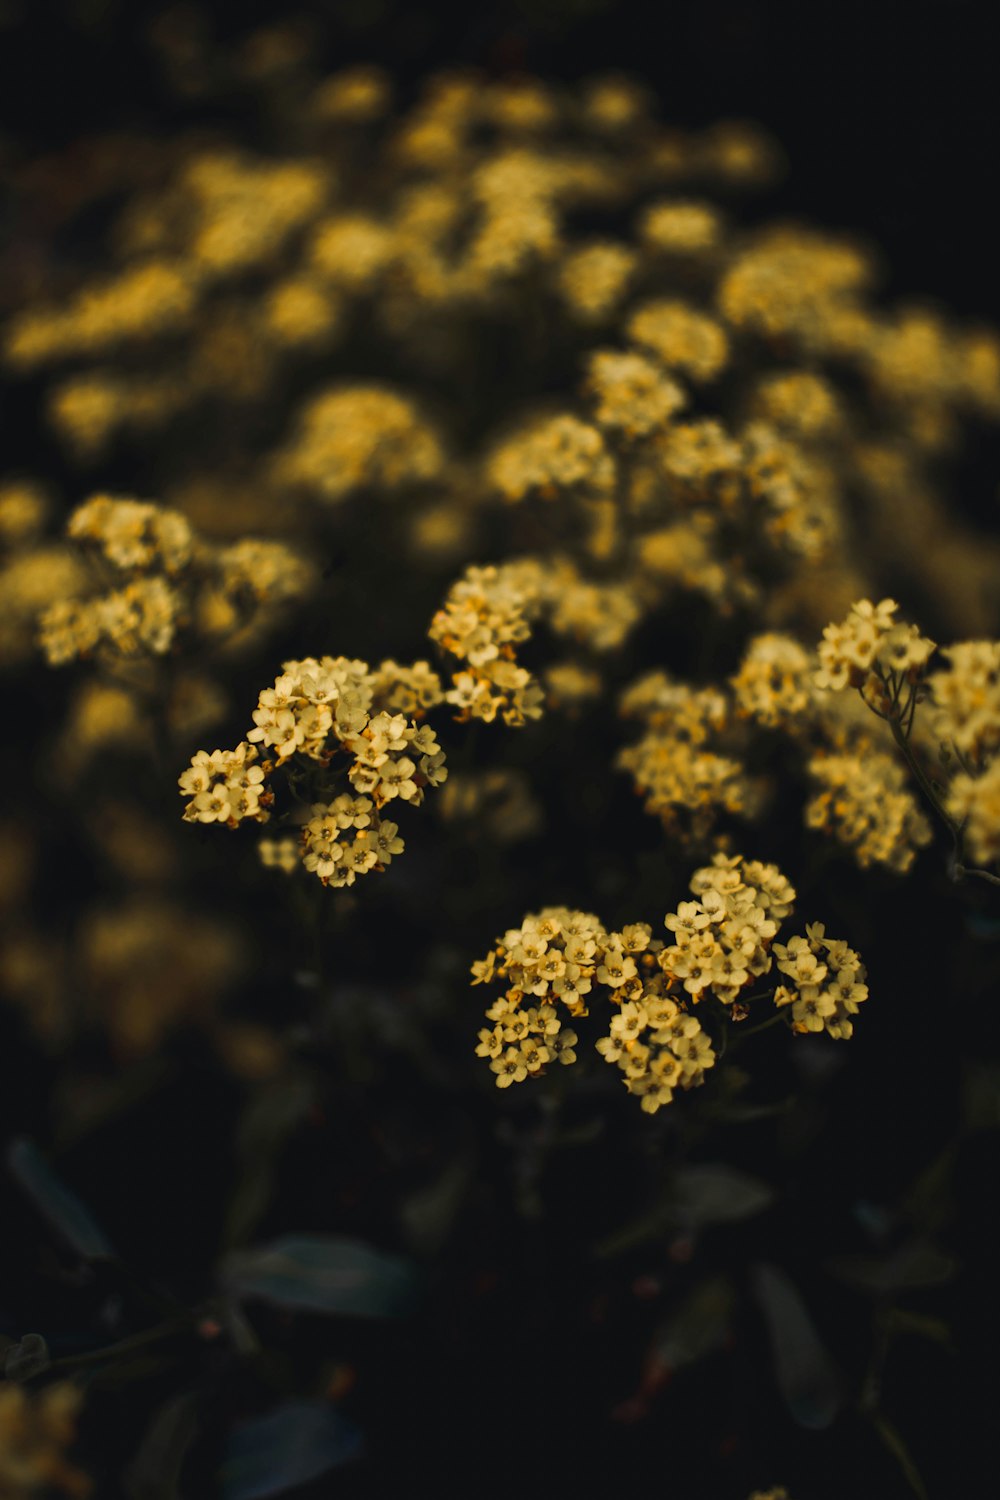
888 115
888 112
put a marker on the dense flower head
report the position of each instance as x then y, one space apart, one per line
774 683
594 278
684 779
675 226
36 1429
863 800
828 982
682 338
966 697
870 639
133 534
179 588
553 457
722 945
360 437
791 283
486 615
321 708
227 786
974 803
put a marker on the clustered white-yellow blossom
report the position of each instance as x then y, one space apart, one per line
828 982
320 708
553 457
870 642
227 786
175 581
865 794
863 799
486 615
559 960
358 438
685 782
774 683
37 1428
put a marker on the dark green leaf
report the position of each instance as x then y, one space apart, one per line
29 1357
154 1472
294 1444
322 1273
53 1199
901 1454
714 1193
804 1371
916 1264
429 1215
699 1326
268 1120
981 1096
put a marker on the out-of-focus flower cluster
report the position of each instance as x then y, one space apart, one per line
722 947
176 582
36 1429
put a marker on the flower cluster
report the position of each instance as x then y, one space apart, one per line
966 698
683 339
773 686
36 1429
559 960
359 438
317 709
828 982
685 783
862 799
177 582
486 615
227 786
866 793
863 650
556 457
630 395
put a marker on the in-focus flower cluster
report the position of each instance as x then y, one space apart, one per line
558 961
320 709
485 617
828 982
868 647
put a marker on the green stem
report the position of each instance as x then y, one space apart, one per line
744 1032
153 1335
957 869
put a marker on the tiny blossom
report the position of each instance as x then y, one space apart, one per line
279 854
